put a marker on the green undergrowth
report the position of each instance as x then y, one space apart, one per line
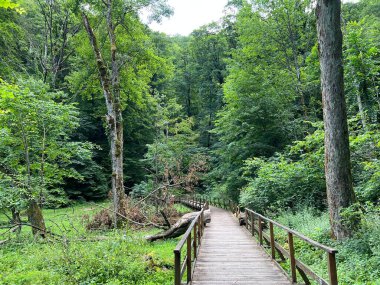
82 257
358 258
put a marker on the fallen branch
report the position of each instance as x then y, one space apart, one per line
10 229
130 220
155 190
39 229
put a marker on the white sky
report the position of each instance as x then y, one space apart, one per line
190 15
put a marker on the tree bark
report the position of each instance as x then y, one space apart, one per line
340 192
111 92
36 219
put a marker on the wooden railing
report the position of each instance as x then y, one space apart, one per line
219 202
192 238
256 223
191 201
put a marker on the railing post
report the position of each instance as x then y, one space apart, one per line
292 258
188 258
195 241
332 269
260 231
246 218
177 267
199 231
272 245
252 223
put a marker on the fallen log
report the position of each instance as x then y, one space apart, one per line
180 227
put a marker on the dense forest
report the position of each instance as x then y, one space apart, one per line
97 109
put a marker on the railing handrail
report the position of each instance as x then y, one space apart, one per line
299 235
193 242
181 243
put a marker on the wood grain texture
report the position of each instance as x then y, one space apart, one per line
229 255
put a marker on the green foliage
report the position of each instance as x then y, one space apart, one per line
36 154
8 4
362 68
295 177
259 93
209 49
366 168
175 156
287 180
13 51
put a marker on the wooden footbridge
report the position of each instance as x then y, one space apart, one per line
225 253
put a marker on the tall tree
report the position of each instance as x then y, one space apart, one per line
115 15
209 51
111 92
50 36
340 192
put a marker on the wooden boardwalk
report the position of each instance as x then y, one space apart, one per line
229 255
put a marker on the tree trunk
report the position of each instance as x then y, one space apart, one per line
16 219
361 111
35 216
340 192
117 136
111 94
36 219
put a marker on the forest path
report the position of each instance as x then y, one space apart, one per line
229 255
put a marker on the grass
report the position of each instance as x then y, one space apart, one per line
82 257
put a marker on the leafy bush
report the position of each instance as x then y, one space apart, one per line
293 179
